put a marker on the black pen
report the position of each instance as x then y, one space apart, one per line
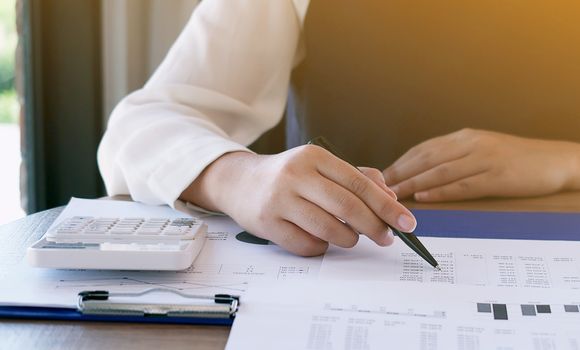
409 238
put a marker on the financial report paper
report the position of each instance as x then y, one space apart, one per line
464 261
391 315
229 263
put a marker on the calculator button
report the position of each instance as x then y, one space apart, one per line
119 231
96 232
149 232
132 220
96 229
158 220
123 228
96 225
176 231
150 229
182 222
106 219
67 231
153 224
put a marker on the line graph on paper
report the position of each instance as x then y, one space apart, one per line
132 283
210 278
250 271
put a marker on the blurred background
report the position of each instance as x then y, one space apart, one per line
64 64
10 208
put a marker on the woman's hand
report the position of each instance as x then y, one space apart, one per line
302 199
471 164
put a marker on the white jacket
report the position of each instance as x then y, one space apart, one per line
223 83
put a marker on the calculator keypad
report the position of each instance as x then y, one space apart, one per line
86 228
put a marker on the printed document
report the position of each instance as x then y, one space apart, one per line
405 315
465 261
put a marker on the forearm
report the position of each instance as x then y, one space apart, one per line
572 161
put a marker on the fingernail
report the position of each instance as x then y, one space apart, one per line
395 188
407 223
421 196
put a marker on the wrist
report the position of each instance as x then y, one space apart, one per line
214 188
573 181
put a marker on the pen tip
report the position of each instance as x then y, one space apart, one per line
438 268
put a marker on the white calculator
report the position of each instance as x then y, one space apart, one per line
112 243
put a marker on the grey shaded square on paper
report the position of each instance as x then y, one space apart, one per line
528 310
483 307
544 309
500 312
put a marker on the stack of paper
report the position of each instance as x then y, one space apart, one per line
491 293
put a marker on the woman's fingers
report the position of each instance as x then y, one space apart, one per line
440 175
336 201
297 241
425 159
467 188
377 177
321 224
384 207
415 150
429 154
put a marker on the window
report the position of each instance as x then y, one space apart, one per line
10 208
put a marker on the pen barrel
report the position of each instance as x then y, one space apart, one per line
324 143
415 244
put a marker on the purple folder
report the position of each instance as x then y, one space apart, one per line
499 225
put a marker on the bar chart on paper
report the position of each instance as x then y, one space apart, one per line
554 312
368 315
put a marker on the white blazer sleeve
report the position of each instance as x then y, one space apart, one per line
223 83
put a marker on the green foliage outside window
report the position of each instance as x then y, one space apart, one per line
8 100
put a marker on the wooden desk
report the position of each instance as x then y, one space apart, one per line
15 334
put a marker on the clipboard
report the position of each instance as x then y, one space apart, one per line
432 223
105 306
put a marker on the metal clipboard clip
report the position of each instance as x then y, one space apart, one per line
99 302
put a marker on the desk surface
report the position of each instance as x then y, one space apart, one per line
16 236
